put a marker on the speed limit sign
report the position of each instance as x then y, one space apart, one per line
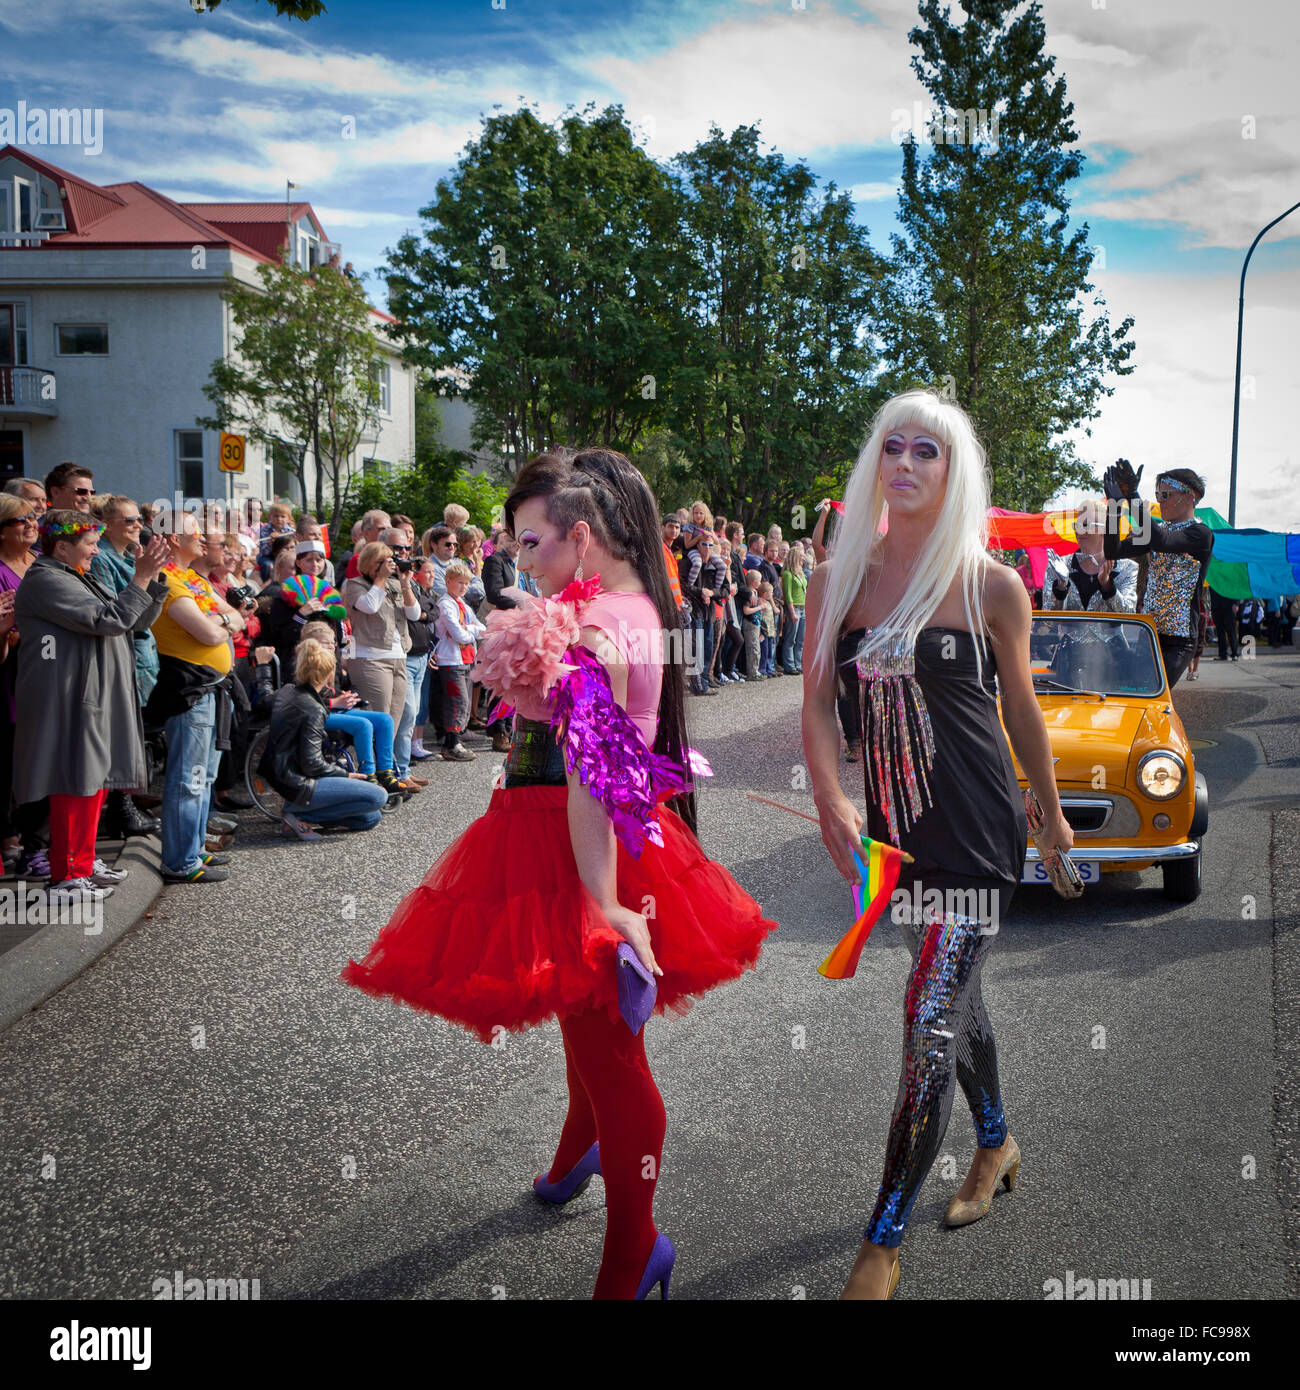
232 453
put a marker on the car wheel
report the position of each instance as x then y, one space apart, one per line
1183 879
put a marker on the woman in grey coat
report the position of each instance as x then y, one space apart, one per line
78 729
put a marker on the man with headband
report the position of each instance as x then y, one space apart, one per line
1177 547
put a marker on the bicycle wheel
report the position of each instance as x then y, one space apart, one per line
264 795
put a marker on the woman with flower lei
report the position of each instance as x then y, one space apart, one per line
593 817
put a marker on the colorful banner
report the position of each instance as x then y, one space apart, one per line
1250 563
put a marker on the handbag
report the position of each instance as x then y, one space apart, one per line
1060 867
637 990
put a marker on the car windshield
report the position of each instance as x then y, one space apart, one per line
1109 657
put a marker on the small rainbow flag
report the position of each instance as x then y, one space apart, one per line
878 874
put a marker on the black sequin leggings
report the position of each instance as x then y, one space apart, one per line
946 1029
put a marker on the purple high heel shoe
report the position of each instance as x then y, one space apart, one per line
659 1267
574 1182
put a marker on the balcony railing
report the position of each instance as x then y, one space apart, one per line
28 391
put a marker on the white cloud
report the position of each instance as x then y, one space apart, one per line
1175 410
873 192
304 66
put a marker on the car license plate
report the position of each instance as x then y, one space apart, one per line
1035 872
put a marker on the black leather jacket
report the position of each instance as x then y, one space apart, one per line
294 757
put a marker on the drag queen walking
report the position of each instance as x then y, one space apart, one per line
587 843
929 619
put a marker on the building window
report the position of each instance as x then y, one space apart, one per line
81 339
285 478
189 463
382 376
21 358
13 334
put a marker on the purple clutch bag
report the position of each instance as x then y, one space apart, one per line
637 990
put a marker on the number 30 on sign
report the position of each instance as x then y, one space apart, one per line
232 453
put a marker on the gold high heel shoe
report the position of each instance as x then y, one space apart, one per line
961 1213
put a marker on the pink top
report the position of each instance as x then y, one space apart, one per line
631 622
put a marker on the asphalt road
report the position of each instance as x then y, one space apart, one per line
207 1098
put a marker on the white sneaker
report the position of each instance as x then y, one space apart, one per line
105 877
85 886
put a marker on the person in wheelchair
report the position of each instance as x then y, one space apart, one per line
294 761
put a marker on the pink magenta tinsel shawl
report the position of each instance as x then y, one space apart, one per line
523 659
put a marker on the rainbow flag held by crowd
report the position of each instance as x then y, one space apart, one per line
878 874
1250 563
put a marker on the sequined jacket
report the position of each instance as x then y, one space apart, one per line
1178 556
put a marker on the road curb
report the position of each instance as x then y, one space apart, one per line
37 969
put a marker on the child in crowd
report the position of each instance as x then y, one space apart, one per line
751 612
767 659
458 632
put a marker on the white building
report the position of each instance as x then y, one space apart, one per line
111 315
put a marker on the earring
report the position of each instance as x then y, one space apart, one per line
578 575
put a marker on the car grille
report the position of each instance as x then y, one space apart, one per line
1086 816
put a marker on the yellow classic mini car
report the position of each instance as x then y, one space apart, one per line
1124 769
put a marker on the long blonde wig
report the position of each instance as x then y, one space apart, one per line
956 546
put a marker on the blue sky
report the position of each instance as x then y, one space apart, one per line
1182 108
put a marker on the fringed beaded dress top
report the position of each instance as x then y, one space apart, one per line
900 742
938 774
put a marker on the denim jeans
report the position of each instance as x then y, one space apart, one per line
695 635
371 732
767 656
416 667
192 760
792 641
707 626
343 801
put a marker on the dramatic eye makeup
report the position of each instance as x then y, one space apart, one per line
922 446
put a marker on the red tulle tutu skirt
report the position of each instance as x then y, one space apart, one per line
502 933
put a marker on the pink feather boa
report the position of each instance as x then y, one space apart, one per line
523 654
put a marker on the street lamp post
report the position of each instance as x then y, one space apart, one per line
1236 396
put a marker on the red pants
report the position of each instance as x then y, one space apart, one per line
613 1098
73 822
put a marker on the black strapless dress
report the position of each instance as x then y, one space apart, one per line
975 828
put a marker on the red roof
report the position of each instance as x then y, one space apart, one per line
132 214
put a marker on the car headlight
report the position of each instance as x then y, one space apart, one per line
1161 774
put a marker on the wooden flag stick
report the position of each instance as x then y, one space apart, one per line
754 796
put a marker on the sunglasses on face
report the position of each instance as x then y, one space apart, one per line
84 491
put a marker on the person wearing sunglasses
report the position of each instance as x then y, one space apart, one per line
114 566
70 486
1178 548
79 728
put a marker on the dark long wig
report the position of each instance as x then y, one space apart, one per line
606 490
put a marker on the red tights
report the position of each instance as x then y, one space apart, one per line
613 1098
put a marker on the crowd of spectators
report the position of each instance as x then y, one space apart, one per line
116 642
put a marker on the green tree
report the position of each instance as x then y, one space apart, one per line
303 370
989 295
775 385
541 276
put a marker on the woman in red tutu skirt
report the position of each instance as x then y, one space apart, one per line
587 846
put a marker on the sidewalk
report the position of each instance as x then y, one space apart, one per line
36 961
